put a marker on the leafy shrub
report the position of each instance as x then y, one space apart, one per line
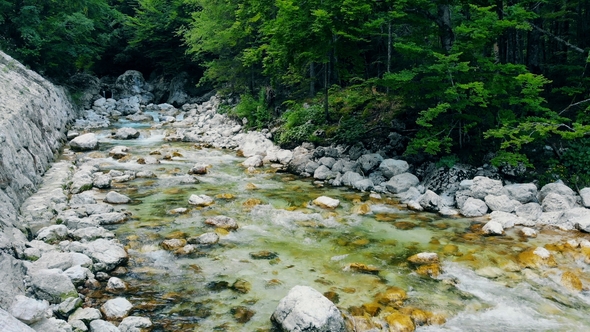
254 110
575 162
300 123
350 130
447 161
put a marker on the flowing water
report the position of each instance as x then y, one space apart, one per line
226 287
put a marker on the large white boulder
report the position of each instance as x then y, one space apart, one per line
522 192
474 207
116 308
305 309
84 142
483 186
401 183
28 310
393 167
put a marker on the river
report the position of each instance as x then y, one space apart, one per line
283 240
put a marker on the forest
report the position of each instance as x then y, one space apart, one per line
502 81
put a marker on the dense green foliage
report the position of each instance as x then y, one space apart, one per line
467 77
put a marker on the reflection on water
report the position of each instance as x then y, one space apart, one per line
283 240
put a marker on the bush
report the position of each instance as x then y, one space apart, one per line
300 123
254 110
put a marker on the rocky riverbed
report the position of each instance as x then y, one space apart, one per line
177 219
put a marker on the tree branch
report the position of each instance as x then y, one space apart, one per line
559 39
574 104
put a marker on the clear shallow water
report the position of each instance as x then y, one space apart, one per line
313 246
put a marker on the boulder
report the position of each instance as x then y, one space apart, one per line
483 186
106 254
430 201
401 183
101 181
68 306
199 169
114 197
585 196
130 84
10 324
52 285
200 200
369 162
100 325
52 324
53 260
115 285
557 188
305 309
530 211
522 192
85 315
363 185
474 208
579 217
350 177
206 239
493 228
126 133
135 324
324 173
78 274
393 167
326 202
327 161
254 143
508 220
84 142
53 233
500 203
553 201
222 222
28 310
254 161
116 308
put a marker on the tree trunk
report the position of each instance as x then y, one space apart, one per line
311 79
447 37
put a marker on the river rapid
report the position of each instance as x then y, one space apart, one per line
351 253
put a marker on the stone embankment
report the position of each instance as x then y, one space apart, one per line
52 248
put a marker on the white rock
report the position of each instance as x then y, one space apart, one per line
474 208
116 285
393 167
483 186
126 133
115 198
135 324
85 314
522 192
119 151
28 310
326 202
305 309
528 232
254 161
499 203
116 308
493 228
542 252
401 183
10 324
585 195
200 200
556 202
100 325
51 324
84 142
